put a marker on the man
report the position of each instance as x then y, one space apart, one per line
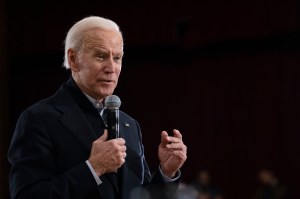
204 185
271 187
60 147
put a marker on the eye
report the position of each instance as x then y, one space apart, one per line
117 58
100 57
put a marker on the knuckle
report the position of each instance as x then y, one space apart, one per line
121 139
120 154
122 161
114 144
95 142
116 150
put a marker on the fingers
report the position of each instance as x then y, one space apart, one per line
164 138
124 155
120 157
123 148
119 141
177 134
181 155
179 147
107 155
175 143
173 139
175 146
120 147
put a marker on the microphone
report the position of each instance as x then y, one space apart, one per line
112 103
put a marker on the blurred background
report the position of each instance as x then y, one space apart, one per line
225 73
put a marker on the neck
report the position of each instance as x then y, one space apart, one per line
86 90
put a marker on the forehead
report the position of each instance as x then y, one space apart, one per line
104 39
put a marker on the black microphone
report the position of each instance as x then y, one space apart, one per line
112 103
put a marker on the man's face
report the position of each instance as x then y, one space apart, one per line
265 177
97 66
204 177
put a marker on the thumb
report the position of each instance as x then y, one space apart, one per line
103 138
164 138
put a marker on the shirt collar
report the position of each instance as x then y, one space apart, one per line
97 104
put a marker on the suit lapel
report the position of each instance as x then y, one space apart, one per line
77 124
71 102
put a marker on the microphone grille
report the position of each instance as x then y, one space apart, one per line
112 102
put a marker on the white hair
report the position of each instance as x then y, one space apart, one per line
75 34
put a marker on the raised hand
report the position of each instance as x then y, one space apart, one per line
172 153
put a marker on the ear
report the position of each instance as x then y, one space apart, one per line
72 59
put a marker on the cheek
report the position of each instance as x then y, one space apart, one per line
92 70
118 70
87 74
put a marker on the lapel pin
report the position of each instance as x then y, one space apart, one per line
126 124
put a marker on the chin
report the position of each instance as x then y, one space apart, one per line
105 94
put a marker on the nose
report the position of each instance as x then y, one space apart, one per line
110 66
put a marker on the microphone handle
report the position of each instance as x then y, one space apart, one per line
113 123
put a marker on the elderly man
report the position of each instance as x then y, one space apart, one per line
60 147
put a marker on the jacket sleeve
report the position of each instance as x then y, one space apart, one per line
156 185
159 189
33 166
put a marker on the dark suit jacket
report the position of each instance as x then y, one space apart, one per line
52 141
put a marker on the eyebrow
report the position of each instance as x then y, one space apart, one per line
102 50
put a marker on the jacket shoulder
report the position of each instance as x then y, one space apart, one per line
46 105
